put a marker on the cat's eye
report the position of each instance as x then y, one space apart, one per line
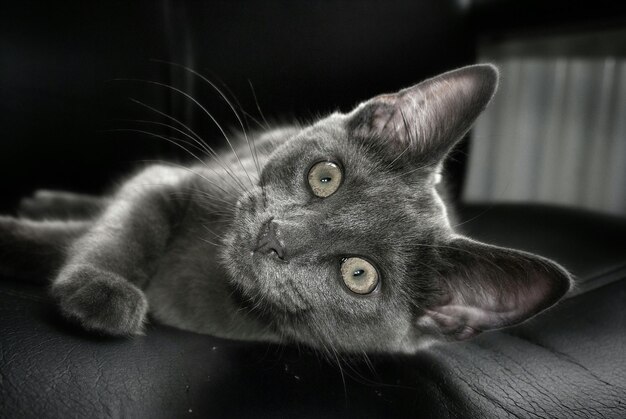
359 275
324 178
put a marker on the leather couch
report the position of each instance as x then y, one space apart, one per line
567 362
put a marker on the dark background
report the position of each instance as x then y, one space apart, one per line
59 62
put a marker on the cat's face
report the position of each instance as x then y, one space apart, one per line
376 215
347 245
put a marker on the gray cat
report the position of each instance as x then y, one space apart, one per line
333 235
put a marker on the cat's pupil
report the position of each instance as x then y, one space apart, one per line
358 272
325 179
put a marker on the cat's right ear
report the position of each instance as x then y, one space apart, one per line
426 120
485 287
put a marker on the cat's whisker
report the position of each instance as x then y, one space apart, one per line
176 140
168 116
368 362
343 378
267 125
208 229
246 114
213 198
208 149
258 107
224 220
210 242
438 246
228 102
210 209
172 140
169 126
414 170
408 131
206 112
209 194
483 212
194 172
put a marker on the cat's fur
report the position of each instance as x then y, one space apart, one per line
182 243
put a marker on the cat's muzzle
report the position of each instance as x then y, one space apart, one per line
268 242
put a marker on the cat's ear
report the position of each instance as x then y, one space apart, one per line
488 287
429 118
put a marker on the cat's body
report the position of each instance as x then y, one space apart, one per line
332 235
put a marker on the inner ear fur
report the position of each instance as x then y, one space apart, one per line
427 119
489 287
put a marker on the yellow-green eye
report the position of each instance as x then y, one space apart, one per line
359 275
325 178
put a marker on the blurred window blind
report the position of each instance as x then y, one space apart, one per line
556 130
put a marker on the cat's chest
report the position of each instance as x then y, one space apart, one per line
189 286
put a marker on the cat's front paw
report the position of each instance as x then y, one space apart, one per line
101 301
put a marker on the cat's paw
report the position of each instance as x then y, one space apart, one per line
101 301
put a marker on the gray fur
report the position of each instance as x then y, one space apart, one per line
182 244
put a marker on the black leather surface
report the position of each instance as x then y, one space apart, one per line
591 245
567 362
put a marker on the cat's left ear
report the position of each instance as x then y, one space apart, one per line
429 118
486 287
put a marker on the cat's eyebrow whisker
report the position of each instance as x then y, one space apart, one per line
207 148
228 102
205 110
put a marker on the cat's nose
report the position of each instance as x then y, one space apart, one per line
269 241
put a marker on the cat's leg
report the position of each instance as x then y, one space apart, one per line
59 205
34 250
100 286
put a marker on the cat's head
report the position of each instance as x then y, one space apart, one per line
348 245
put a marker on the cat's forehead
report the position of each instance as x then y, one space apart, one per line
331 138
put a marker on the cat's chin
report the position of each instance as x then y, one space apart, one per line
263 280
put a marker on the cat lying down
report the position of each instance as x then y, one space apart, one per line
332 235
